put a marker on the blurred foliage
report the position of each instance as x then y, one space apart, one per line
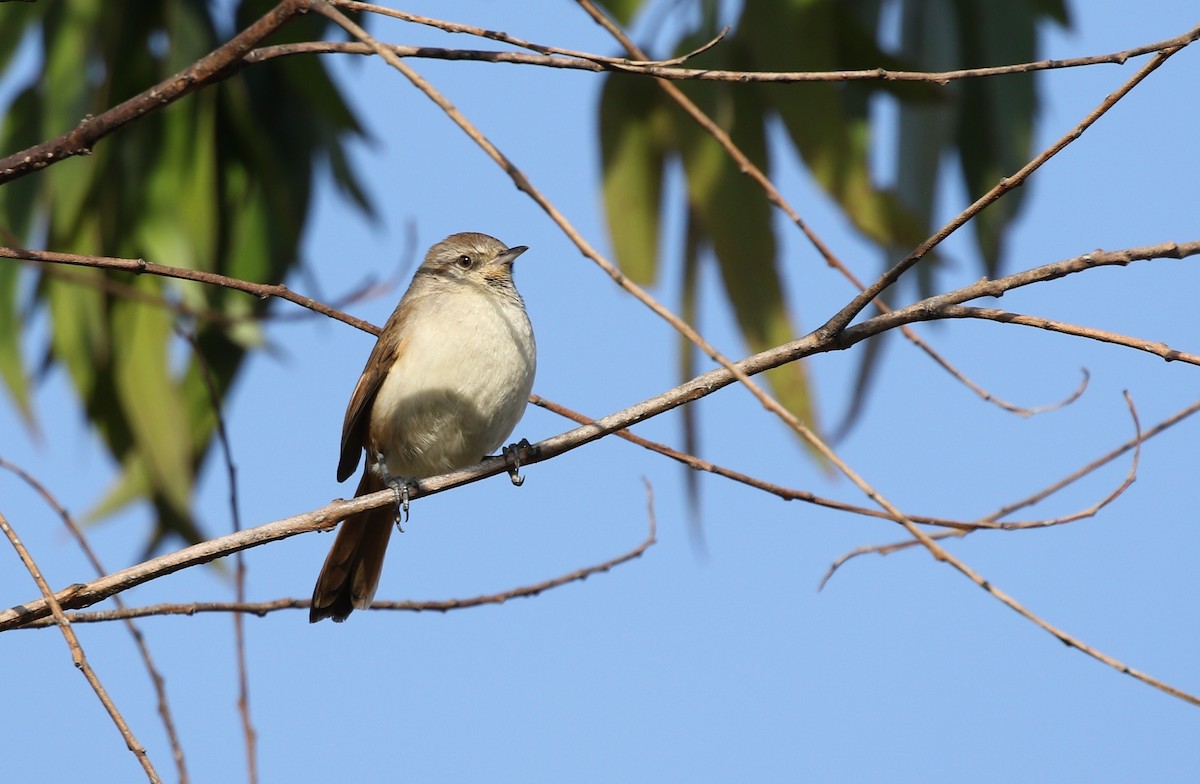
219 181
984 125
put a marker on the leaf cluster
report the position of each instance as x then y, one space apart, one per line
221 182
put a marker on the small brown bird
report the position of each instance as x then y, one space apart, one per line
445 385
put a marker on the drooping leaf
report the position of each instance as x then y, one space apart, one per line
156 419
929 41
834 125
633 155
995 128
12 364
689 311
218 181
623 10
829 123
21 129
735 220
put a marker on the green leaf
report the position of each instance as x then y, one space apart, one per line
12 365
736 219
150 400
623 10
185 174
21 129
1054 9
995 129
133 483
69 43
18 19
929 41
633 157
220 181
79 337
830 124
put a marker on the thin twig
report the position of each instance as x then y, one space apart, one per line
77 655
141 266
1156 347
847 314
139 640
239 632
214 66
792 494
554 57
454 27
990 522
441 605
776 197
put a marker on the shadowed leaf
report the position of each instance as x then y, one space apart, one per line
219 181
632 151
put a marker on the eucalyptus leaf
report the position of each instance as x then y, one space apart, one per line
12 365
633 158
218 181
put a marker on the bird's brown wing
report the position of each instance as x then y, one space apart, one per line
354 427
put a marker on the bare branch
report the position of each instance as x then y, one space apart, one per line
141 266
139 640
1006 184
77 655
444 605
990 521
932 308
555 57
239 632
454 27
1157 348
701 386
213 67
785 493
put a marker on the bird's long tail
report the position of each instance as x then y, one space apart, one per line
351 572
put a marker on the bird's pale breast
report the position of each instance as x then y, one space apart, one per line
459 386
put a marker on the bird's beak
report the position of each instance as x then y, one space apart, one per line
510 255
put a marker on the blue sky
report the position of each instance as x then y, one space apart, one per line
719 665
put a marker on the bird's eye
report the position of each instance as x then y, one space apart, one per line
463 261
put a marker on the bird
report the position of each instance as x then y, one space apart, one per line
445 385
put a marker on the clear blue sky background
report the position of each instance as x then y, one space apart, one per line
725 665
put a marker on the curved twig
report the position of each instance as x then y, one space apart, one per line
847 314
214 66
139 639
77 655
441 605
990 522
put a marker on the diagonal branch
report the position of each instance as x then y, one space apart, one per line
847 314
141 266
139 640
77 655
775 197
556 57
989 522
327 517
1156 347
444 605
213 67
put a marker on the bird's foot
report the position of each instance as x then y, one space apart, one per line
512 458
399 485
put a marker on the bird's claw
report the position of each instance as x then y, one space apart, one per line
399 486
512 459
